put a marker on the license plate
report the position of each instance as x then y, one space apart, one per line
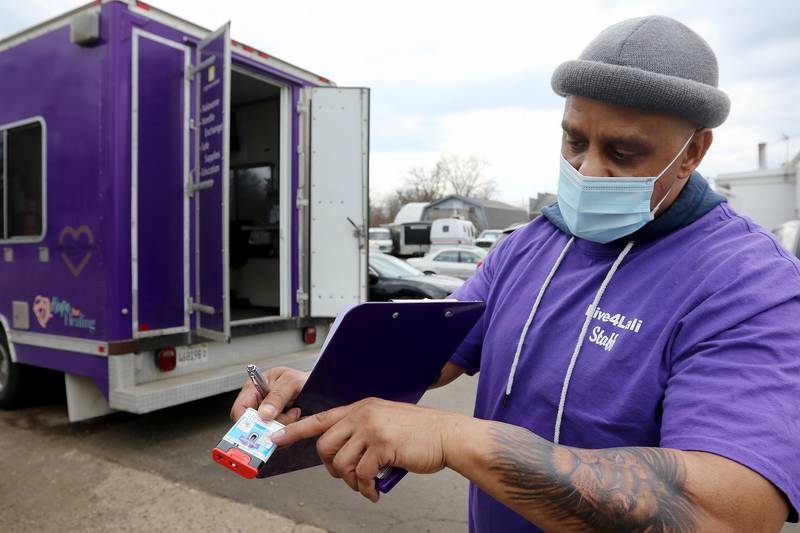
188 355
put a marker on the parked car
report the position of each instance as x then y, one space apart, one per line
452 231
451 261
487 238
380 239
391 278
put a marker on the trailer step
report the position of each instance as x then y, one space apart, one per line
148 397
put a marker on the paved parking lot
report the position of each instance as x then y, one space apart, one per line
150 472
154 472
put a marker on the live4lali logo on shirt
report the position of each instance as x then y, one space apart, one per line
607 340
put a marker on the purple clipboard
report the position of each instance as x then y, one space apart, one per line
389 350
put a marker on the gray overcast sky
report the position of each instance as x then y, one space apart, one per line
473 77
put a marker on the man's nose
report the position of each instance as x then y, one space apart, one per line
593 165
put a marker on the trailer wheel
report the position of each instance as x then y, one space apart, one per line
10 378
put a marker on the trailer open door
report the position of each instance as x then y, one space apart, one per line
159 168
338 196
209 187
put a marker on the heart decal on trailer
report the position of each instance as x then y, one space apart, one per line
75 264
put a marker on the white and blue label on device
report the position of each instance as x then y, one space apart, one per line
253 435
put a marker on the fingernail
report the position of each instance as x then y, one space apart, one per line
267 412
278 435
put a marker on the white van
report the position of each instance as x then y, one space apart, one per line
452 231
380 239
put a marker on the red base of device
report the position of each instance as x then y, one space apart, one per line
236 461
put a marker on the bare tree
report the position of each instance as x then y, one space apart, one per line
466 176
426 185
383 210
463 175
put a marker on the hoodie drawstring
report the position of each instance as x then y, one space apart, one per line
589 313
579 344
535 307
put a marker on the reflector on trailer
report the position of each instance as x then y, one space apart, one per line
167 359
310 335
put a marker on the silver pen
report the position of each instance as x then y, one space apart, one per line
254 373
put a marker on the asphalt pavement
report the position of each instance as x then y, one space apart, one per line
154 472
141 472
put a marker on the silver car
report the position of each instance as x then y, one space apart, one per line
461 262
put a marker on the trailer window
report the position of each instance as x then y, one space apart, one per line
22 192
417 235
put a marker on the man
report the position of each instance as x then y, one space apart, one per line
638 355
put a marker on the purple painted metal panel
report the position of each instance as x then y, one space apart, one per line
160 192
92 366
116 149
62 83
213 218
160 174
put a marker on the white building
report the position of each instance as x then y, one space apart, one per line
770 196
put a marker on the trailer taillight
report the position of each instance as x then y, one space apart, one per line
480 263
310 335
166 358
142 5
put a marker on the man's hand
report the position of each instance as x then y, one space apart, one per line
284 386
358 439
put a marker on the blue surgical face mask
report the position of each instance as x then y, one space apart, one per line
603 209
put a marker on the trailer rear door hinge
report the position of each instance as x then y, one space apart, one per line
301 201
301 296
199 186
302 107
191 70
201 308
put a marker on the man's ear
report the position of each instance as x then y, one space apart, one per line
696 151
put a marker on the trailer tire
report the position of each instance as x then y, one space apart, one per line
10 377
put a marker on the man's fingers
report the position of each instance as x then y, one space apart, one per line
345 461
330 443
290 416
274 403
284 388
248 397
310 426
366 470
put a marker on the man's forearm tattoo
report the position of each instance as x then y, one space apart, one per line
616 489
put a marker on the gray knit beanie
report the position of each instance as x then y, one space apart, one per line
653 63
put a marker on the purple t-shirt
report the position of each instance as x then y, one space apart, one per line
695 346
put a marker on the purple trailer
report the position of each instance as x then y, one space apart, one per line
174 205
